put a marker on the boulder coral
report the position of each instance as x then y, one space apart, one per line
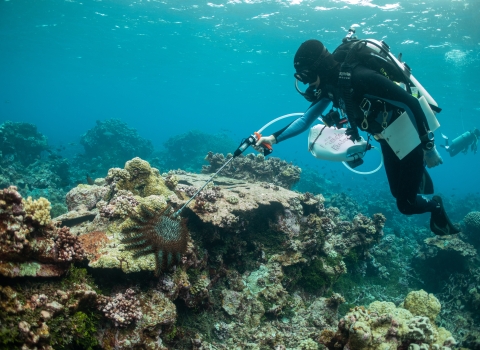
472 225
139 178
384 326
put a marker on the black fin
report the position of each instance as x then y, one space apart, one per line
440 224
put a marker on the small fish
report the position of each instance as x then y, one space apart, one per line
90 180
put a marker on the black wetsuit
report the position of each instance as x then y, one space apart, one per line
404 176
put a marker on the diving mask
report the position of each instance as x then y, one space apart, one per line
306 76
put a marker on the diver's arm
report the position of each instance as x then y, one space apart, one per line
376 86
303 123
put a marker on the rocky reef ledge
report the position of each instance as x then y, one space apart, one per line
247 265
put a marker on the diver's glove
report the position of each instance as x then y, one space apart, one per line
269 140
432 157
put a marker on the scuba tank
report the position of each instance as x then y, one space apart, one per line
401 135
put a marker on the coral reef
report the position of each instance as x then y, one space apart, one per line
30 245
21 141
384 326
472 225
112 142
248 264
53 315
255 168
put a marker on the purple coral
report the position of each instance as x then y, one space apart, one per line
13 233
123 309
68 246
121 206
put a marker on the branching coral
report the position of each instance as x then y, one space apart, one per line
29 244
68 246
123 309
38 210
122 204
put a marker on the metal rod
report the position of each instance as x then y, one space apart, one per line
201 188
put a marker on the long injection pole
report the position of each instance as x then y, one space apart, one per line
201 188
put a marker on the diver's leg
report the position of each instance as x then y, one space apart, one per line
404 177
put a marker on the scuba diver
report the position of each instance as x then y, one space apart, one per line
371 101
462 142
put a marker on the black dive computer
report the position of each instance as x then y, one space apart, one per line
428 140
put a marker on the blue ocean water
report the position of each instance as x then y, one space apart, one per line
166 67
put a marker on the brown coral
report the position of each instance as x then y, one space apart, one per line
69 248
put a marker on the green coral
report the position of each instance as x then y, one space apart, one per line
232 199
314 277
139 178
79 329
369 328
420 303
29 269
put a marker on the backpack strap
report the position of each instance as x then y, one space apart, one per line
346 92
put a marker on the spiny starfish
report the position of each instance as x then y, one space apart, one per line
158 233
